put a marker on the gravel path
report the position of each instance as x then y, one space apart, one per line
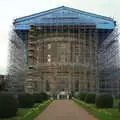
64 110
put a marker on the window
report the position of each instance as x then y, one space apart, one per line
35 85
62 58
49 46
37 59
76 85
77 58
49 58
47 85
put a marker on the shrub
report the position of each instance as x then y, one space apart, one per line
119 106
44 96
25 100
104 101
82 95
37 98
8 105
90 98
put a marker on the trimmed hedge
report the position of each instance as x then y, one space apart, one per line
8 105
25 100
104 101
82 95
119 105
40 97
35 111
44 96
90 98
37 98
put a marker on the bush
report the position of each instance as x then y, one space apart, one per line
90 98
39 97
104 101
44 96
8 105
25 100
82 95
119 106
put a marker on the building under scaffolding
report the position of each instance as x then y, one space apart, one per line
16 66
109 64
61 50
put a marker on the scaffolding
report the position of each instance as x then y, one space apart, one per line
109 66
64 49
16 64
62 57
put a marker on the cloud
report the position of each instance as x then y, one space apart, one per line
3 50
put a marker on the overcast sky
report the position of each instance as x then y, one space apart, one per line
11 9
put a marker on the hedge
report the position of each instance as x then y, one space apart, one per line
25 100
104 101
119 105
82 95
90 98
8 105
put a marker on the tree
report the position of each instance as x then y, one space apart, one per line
2 85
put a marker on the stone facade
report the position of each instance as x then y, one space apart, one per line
62 60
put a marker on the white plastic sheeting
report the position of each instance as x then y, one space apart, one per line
16 66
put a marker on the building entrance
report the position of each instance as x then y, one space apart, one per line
63 95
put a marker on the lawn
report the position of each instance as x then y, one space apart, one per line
30 113
101 114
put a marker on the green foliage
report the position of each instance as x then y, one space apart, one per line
36 110
90 98
82 95
104 101
30 113
2 85
100 113
37 98
8 105
40 97
25 100
119 106
44 96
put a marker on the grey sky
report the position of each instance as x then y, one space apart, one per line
11 9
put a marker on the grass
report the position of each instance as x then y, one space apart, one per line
101 114
30 113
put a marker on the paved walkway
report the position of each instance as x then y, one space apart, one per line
64 110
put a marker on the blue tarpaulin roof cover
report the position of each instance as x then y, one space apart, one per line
64 16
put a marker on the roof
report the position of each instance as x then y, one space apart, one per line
64 16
